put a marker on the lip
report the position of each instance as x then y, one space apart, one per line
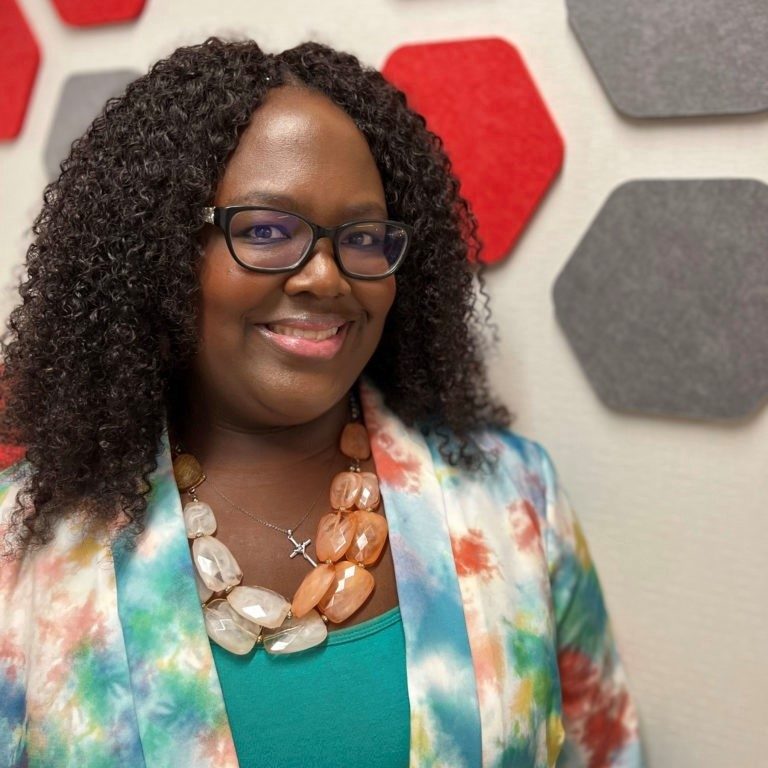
324 349
313 321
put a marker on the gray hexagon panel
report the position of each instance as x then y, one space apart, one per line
82 98
674 58
665 299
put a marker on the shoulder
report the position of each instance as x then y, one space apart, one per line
520 476
510 457
515 453
512 448
12 480
11 556
528 463
16 472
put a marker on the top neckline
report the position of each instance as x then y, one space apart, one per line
364 628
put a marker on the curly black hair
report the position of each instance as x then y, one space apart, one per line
107 320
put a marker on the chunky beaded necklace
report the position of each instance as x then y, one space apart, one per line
237 617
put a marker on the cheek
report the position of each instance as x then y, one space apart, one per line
216 285
228 294
377 298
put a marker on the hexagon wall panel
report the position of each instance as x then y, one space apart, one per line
82 98
662 58
10 454
90 13
665 299
10 451
19 59
478 96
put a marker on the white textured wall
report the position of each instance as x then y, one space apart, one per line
675 512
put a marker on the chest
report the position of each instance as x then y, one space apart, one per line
471 581
271 530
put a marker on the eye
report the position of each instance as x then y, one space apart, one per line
361 239
265 233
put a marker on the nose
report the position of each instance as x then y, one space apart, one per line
320 274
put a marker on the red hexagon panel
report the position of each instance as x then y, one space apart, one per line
10 450
19 59
91 13
10 454
479 97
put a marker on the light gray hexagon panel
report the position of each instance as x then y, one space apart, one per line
82 98
674 58
665 299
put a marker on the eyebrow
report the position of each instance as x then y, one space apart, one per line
351 211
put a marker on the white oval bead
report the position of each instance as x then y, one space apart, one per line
260 605
297 634
229 630
215 564
199 519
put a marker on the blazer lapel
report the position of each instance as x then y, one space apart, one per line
179 705
445 720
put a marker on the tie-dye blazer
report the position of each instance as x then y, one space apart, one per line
104 659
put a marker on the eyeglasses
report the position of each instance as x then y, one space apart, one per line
270 240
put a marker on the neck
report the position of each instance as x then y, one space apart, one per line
229 450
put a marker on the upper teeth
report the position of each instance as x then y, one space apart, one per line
303 333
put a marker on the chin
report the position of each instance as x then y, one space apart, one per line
301 399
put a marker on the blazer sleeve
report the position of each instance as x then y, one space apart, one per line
12 658
599 716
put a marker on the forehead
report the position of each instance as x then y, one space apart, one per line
301 145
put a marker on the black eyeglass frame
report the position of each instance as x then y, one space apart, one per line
221 217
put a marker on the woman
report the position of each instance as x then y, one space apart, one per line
212 289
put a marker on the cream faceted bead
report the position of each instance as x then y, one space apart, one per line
296 634
260 605
199 519
215 563
202 590
228 629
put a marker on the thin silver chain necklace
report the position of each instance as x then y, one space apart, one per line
299 548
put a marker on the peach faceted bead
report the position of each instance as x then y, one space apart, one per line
315 584
368 497
334 536
355 442
345 489
350 590
369 539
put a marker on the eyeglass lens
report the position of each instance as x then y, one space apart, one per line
275 240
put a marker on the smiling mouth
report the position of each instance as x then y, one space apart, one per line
304 333
317 343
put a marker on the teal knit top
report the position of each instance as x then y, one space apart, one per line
342 703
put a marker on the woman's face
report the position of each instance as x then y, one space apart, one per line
303 154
